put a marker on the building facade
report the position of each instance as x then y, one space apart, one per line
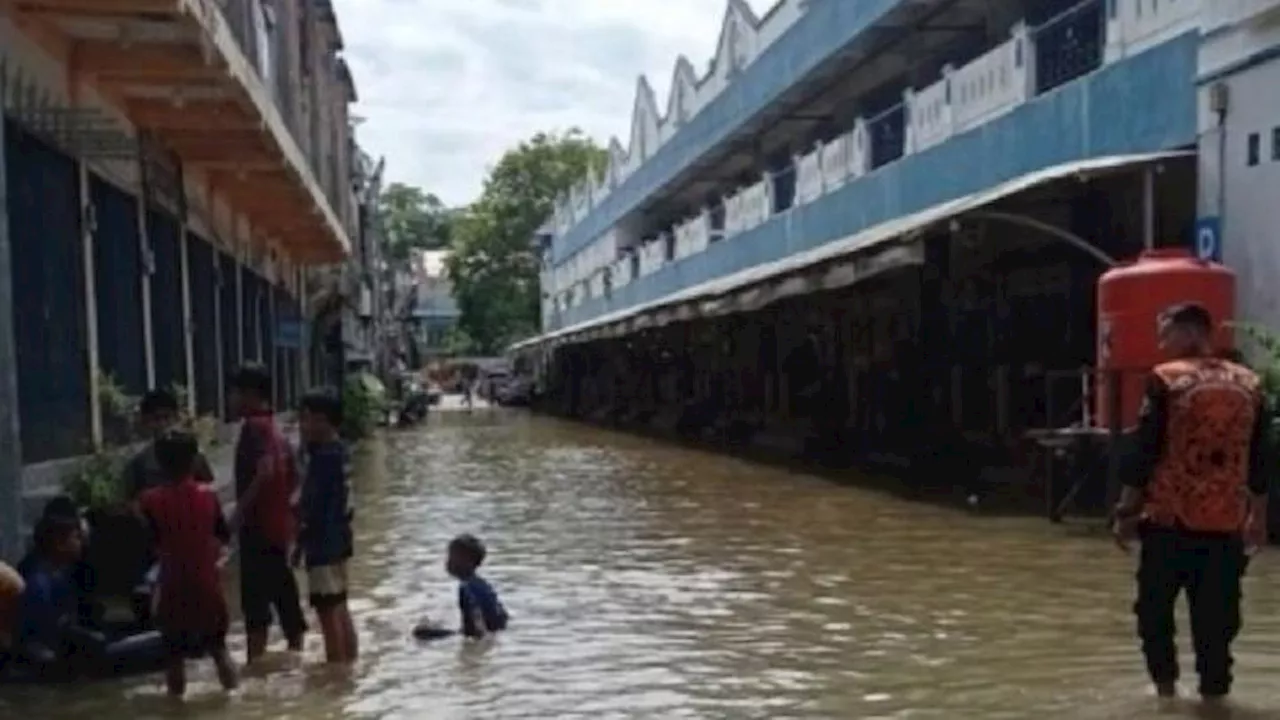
1239 147
172 170
876 228
434 313
821 120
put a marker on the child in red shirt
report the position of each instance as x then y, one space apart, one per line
190 531
266 477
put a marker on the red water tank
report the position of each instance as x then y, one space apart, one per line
1131 298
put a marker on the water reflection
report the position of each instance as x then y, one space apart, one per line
648 581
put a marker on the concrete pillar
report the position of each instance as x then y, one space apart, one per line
188 348
239 328
144 277
219 333
88 227
10 437
305 315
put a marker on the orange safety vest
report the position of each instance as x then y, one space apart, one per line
1201 480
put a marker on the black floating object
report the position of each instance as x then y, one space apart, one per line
428 631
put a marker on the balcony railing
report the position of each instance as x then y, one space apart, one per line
1070 45
257 30
1034 60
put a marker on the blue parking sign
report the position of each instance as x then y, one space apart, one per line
1208 240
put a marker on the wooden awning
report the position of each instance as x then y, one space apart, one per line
177 71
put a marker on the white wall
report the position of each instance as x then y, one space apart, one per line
1236 30
1251 214
743 36
1138 25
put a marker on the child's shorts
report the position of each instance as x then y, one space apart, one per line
327 585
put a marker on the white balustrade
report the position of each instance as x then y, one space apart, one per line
964 98
652 256
996 82
734 216
859 150
809 177
929 114
621 274
835 162
693 236
1137 25
757 204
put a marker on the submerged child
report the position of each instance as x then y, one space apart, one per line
482 612
49 627
190 532
325 536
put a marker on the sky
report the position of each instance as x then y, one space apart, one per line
446 86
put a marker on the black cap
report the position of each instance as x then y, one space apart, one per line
1189 314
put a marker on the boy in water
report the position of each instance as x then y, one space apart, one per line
482 612
159 413
186 520
50 629
266 477
325 536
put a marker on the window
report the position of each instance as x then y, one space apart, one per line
1275 143
1255 149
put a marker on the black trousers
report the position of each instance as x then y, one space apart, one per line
1209 567
267 582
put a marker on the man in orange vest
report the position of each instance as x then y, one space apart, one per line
1195 496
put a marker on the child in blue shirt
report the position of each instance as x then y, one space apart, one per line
325 537
481 610
49 627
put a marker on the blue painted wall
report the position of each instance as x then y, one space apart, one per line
1142 104
828 26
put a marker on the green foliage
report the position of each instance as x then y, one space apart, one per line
458 343
364 404
414 220
1264 357
94 483
494 266
116 404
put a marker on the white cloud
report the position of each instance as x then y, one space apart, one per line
447 85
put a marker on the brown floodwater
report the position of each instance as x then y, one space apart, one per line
652 581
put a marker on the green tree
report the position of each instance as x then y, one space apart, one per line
494 266
414 220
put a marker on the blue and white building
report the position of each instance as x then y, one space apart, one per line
826 128
1238 83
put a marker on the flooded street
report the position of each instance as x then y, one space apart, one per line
651 581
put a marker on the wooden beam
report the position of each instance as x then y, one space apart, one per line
230 137
215 153
189 115
238 167
105 56
45 35
99 8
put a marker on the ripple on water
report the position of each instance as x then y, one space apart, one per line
650 581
